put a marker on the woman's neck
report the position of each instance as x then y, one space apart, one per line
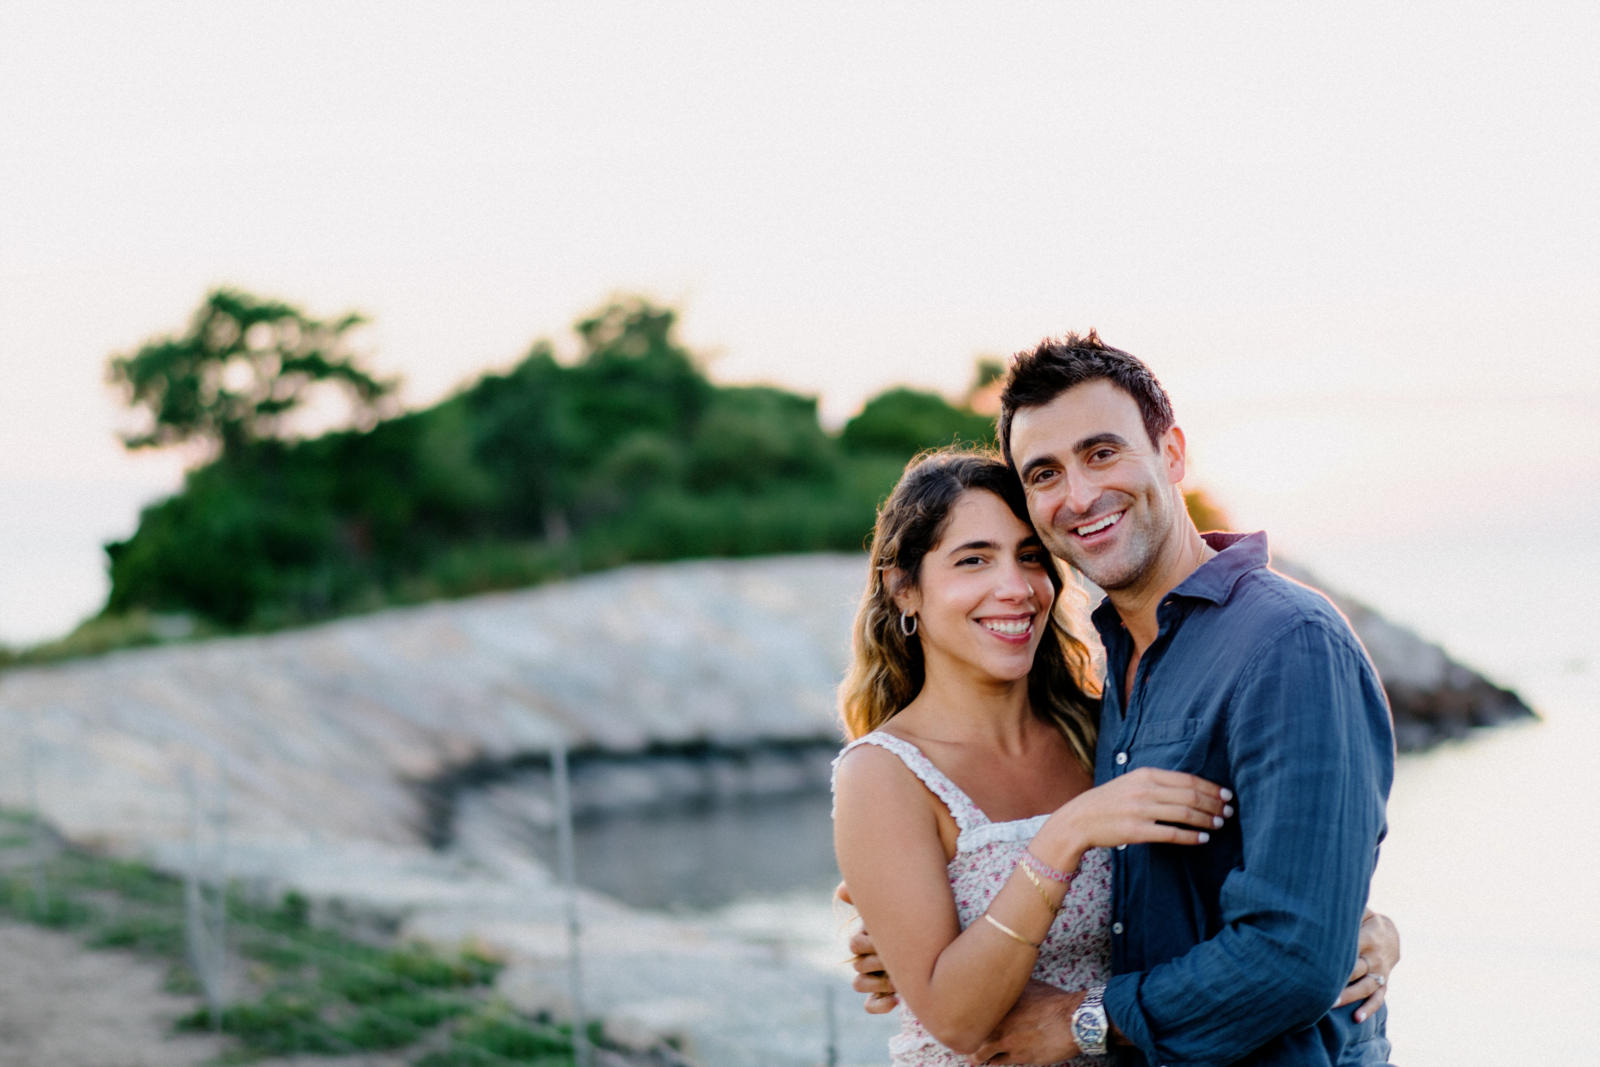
971 711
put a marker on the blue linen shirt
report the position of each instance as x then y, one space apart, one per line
1234 951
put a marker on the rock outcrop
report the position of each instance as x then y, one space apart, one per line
1433 697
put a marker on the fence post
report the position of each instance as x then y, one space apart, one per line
205 916
41 881
830 1020
566 860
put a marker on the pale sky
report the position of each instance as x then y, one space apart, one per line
1359 242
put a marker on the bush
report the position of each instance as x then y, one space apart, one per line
903 422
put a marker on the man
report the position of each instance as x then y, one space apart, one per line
1217 666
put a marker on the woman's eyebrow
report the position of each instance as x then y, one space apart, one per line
971 546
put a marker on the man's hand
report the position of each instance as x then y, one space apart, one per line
1037 1030
870 978
1379 951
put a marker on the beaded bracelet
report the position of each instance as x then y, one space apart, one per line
1037 884
1012 934
1045 869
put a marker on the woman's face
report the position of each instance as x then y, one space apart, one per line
984 595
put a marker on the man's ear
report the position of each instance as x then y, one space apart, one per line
1174 453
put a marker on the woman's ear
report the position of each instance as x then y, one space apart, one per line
902 590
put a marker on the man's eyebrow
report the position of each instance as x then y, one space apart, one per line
1032 465
1100 439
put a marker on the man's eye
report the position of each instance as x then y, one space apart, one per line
1100 455
1041 477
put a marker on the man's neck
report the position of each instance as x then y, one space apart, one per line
1137 605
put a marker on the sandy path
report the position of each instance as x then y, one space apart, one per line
62 1005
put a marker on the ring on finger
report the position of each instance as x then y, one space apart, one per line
1379 979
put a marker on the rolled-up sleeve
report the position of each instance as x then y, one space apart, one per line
1311 752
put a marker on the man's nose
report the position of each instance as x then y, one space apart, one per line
1082 493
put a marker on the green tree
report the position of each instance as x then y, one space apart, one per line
242 367
750 437
523 433
633 374
902 422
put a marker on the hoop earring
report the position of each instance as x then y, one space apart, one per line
908 624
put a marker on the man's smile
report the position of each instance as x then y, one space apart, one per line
1089 529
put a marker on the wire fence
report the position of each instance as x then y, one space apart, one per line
274 980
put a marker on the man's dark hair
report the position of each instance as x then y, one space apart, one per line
1041 374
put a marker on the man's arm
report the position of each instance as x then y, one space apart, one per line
1312 757
1038 1029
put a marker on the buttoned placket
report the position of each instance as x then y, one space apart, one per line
1168 615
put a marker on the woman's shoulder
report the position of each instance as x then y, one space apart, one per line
872 781
878 755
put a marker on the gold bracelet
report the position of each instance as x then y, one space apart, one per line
1012 934
1034 878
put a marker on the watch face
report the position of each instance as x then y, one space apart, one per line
1089 1028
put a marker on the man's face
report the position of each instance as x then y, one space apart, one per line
1101 495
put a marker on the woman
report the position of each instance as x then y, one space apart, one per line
966 822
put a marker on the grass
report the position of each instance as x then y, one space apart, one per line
307 989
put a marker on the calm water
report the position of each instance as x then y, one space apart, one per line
1492 868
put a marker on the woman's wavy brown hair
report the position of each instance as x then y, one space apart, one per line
886 668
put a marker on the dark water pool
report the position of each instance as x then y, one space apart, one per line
701 858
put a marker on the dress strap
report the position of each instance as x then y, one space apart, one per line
962 809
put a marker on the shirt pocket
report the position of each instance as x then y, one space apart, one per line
1171 745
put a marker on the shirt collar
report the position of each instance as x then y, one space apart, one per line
1237 555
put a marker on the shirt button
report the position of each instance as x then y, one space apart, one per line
1116 928
1122 757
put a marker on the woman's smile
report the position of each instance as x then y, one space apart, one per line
1011 628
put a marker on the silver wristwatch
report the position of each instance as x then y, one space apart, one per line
1089 1025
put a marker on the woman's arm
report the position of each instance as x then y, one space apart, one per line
959 983
886 837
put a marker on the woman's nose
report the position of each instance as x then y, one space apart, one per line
1014 584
